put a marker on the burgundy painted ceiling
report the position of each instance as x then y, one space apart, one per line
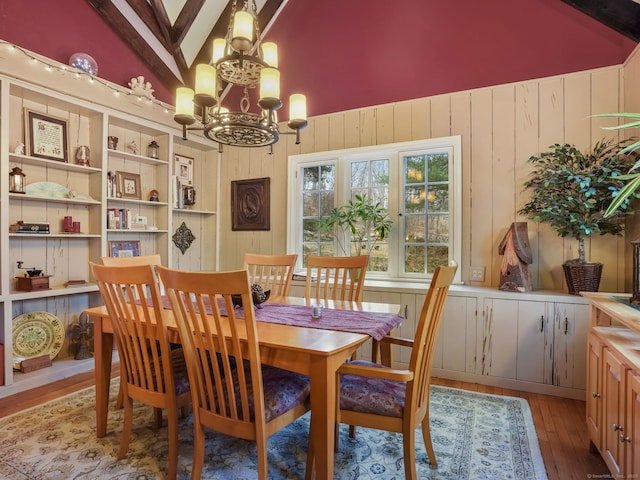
347 54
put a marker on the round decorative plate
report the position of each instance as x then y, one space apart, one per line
36 334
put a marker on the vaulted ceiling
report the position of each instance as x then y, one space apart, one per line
173 36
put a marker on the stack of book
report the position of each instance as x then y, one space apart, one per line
22 227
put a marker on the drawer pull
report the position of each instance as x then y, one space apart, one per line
625 438
617 427
542 323
595 395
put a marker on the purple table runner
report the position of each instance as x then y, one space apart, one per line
374 324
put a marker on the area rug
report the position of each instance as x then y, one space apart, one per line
476 436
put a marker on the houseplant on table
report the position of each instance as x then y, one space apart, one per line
571 191
365 221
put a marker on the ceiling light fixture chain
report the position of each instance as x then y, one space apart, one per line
240 59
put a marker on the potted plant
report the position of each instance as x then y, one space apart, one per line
571 191
365 221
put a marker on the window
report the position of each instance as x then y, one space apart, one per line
419 183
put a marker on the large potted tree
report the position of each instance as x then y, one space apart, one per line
571 191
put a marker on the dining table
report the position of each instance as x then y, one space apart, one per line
290 338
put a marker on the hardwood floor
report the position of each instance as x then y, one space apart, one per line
560 423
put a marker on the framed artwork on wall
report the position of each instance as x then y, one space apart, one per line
46 136
124 249
184 170
250 204
129 185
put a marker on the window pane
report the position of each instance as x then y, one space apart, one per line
380 173
317 200
414 199
438 170
310 204
438 229
426 209
415 229
379 258
414 259
359 175
437 256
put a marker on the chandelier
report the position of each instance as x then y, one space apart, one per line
240 59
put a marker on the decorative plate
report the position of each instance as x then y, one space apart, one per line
36 334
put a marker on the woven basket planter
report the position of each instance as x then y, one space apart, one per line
582 277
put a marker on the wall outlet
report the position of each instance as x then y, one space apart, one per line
477 274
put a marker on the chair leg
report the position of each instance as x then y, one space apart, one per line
428 444
172 424
261 445
409 444
309 470
198 450
352 431
126 428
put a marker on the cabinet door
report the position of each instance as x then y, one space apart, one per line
457 338
613 412
631 438
594 391
571 327
499 342
535 352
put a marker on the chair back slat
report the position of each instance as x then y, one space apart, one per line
335 278
273 272
426 336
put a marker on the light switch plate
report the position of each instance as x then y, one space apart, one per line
477 274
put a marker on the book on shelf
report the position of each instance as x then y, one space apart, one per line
23 227
76 283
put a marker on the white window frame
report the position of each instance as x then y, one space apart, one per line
395 152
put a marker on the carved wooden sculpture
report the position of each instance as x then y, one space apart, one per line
516 251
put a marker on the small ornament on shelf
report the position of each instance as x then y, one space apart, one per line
140 87
133 147
17 180
153 150
19 150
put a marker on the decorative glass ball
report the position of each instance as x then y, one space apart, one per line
84 62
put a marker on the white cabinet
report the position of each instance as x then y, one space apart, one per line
542 342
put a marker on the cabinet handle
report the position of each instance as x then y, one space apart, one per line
406 311
595 395
625 438
566 325
617 427
542 323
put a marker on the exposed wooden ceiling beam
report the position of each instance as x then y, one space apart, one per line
112 16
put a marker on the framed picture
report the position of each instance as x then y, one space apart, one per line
184 170
250 204
46 136
124 249
129 185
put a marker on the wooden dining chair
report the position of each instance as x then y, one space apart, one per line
232 391
335 278
154 259
272 272
376 396
152 373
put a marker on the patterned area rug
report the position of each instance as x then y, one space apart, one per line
476 436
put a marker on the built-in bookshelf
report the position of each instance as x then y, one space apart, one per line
79 198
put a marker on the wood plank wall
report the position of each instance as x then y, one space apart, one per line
501 127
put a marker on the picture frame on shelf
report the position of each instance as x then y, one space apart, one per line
124 248
129 185
46 136
183 169
250 204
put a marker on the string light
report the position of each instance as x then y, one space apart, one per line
52 65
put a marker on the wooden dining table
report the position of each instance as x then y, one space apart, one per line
315 352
